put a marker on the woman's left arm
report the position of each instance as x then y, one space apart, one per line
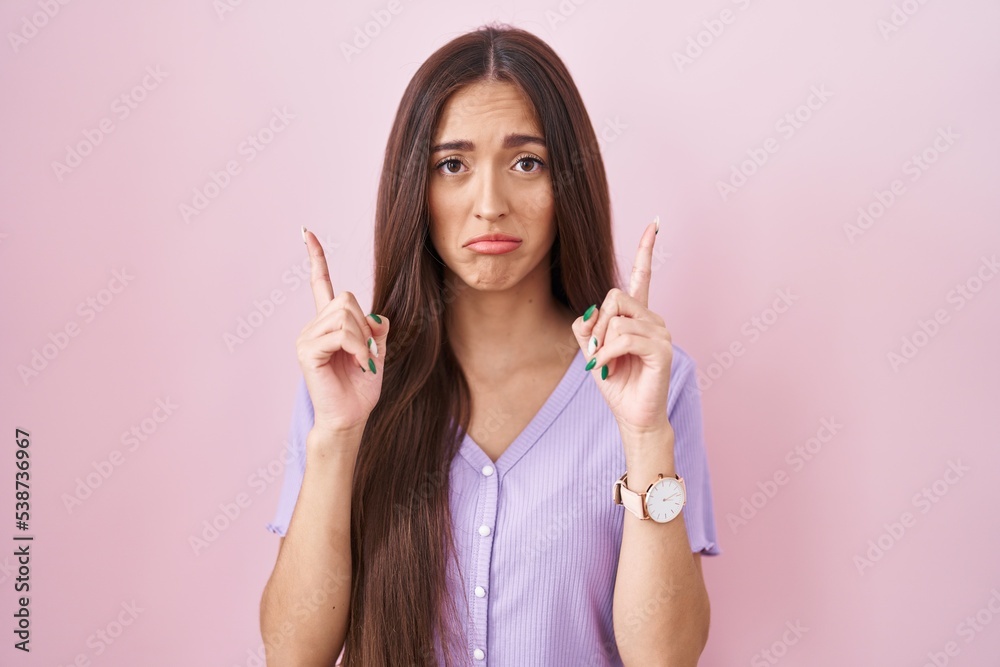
661 607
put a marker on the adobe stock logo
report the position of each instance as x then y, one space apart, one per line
914 167
712 30
102 471
223 7
264 308
102 639
253 145
381 18
42 357
753 328
899 17
779 647
230 511
562 13
796 458
37 21
927 329
787 126
967 629
121 107
923 500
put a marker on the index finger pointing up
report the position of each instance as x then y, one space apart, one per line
643 268
322 288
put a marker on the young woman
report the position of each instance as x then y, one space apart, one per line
456 496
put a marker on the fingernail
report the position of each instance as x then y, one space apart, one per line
304 234
590 311
590 364
592 346
604 372
363 369
371 365
375 317
657 221
373 347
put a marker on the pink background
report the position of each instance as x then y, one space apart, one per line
670 134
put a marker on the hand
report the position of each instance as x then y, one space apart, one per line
342 370
634 344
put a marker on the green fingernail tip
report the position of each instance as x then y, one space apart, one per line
375 317
590 364
371 365
604 372
590 311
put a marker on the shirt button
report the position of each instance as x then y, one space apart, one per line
487 470
484 530
480 592
478 654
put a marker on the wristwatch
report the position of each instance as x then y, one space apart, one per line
662 501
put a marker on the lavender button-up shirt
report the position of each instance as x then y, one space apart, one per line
537 533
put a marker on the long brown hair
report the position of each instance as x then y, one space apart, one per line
401 539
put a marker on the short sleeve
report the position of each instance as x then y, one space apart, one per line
293 455
690 457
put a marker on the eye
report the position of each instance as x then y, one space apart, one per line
530 159
448 161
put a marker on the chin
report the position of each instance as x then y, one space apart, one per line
491 281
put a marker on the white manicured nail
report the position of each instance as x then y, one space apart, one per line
373 347
592 346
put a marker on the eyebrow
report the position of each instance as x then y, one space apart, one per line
510 141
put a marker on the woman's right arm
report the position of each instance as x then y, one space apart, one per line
305 604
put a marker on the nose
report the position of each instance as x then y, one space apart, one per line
491 197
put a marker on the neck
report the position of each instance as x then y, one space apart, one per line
496 331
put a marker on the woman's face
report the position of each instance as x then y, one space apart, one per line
489 173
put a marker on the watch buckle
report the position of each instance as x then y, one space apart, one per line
616 491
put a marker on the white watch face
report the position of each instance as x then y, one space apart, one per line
665 500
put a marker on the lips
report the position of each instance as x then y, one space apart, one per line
493 244
492 237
